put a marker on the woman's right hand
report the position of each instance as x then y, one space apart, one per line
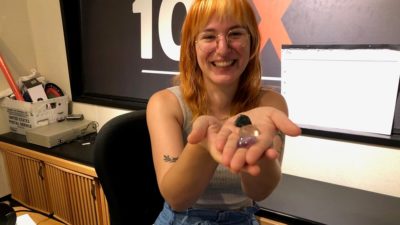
204 132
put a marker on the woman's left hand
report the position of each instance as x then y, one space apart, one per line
268 121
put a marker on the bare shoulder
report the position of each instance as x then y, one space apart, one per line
270 97
161 97
165 104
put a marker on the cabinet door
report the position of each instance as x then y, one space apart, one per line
104 213
73 196
16 177
27 180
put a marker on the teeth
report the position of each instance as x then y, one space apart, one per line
223 63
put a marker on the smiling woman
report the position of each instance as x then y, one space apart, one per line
221 169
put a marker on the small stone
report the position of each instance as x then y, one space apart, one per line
246 142
248 136
242 120
248 130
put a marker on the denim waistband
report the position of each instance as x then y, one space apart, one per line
220 215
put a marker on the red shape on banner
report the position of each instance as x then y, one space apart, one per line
271 26
10 80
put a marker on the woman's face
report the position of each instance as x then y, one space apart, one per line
223 51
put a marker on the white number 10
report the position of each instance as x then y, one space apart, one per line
145 7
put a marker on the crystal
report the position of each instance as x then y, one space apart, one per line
248 136
248 130
242 120
246 142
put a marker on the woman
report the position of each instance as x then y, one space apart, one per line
204 172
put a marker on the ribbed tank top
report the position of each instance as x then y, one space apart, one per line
224 190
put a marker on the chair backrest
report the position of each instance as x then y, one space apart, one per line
129 183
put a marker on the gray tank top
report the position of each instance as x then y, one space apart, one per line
224 190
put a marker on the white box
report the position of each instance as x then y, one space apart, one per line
27 115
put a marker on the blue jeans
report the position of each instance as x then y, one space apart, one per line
244 216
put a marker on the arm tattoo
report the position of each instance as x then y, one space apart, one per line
170 159
282 137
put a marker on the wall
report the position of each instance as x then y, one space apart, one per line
31 37
368 167
16 47
39 29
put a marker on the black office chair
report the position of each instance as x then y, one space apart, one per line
129 183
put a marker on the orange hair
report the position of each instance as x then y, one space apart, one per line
190 78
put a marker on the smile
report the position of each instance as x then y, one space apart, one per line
223 63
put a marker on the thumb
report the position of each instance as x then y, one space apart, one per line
199 130
284 124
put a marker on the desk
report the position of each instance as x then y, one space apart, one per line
302 201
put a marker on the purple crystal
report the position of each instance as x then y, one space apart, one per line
245 142
248 136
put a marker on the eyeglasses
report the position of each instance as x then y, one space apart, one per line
235 38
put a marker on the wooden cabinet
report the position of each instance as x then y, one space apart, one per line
27 181
50 184
72 195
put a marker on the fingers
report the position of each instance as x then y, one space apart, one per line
201 127
261 148
284 124
253 170
222 137
230 148
238 160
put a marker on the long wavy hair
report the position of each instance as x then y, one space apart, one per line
190 76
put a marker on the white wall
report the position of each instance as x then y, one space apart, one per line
368 167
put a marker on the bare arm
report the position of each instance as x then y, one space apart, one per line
183 172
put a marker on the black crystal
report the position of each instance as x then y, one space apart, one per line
242 120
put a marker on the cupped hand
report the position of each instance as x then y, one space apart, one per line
268 121
204 132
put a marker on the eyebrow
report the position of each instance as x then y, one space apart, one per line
214 30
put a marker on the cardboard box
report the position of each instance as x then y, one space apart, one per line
27 115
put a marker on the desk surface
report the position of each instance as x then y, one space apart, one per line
296 200
79 150
330 204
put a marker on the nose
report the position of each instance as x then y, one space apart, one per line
222 44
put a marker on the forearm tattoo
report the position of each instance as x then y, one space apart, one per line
170 159
282 137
